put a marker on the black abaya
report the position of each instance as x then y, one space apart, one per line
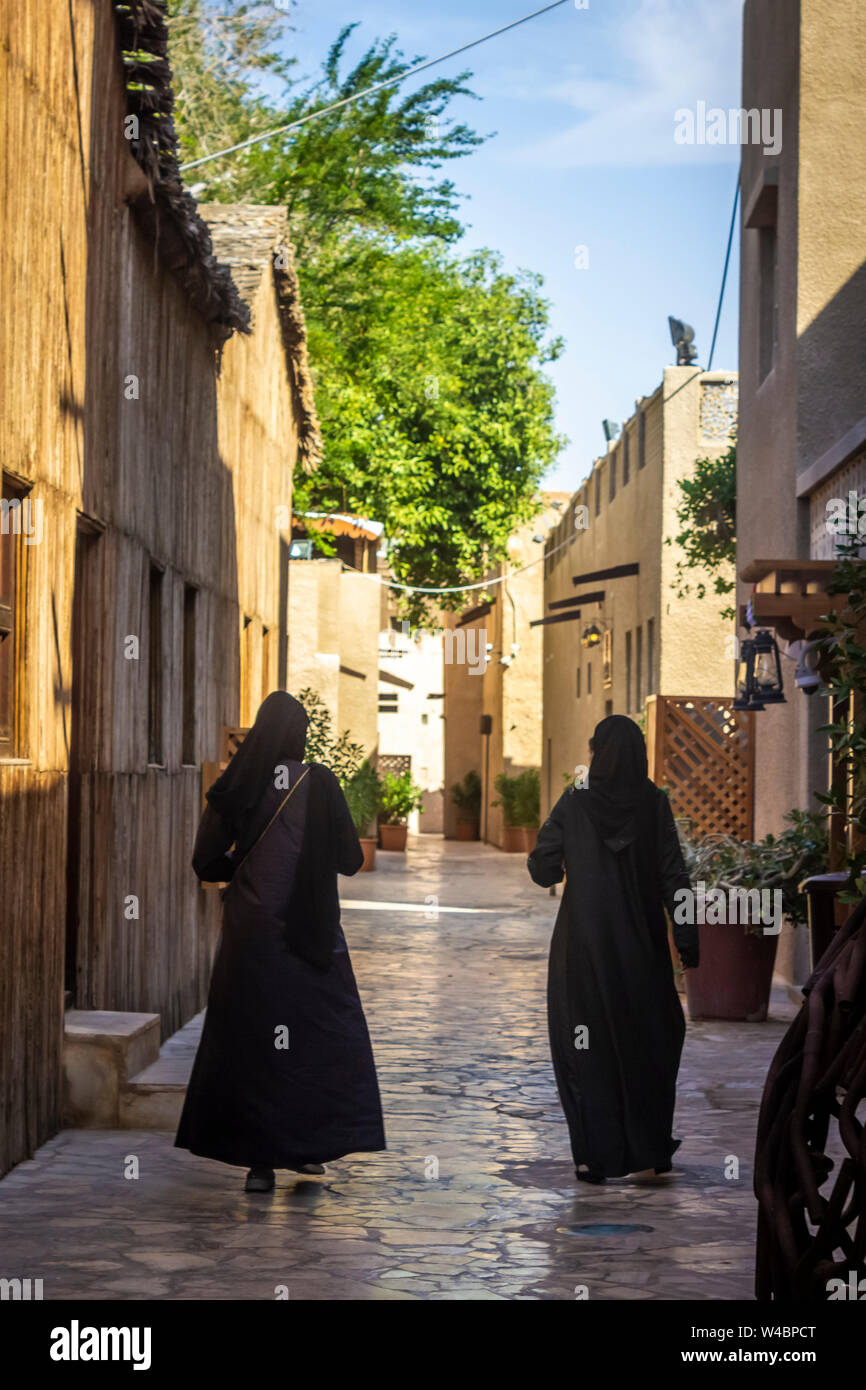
284 1073
610 972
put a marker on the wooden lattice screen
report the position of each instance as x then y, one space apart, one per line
394 762
703 752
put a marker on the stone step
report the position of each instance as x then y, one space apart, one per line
153 1099
101 1052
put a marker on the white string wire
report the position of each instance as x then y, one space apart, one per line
356 96
463 588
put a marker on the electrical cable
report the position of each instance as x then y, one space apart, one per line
725 271
356 96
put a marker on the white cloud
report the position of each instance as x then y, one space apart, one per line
662 56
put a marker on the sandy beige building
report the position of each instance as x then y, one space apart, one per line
411 719
802 426
614 629
265 398
493 670
335 616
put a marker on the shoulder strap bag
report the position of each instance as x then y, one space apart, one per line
264 832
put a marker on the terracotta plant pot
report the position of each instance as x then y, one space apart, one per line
369 848
514 839
530 836
393 836
467 830
734 977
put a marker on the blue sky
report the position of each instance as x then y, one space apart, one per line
583 104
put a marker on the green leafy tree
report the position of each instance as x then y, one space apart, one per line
707 516
437 421
437 417
224 56
338 752
371 165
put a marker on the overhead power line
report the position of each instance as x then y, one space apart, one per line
356 96
725 271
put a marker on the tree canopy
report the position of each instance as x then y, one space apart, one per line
707 514
437 418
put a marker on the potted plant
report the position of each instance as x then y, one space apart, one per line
400 797
364 797
513 837
735 975
529 806
466 796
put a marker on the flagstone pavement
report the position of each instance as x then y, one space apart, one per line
475 1197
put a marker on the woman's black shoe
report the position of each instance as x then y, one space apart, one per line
584 1175
260 1180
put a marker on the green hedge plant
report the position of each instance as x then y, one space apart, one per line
529 798
466 796
400 797
519 797
364 796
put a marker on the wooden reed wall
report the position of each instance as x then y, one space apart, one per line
187 476
43 270
258 444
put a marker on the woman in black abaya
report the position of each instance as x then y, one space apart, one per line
284 1075
615 1019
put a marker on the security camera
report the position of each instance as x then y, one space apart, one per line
806 677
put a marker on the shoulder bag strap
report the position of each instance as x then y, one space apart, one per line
276 814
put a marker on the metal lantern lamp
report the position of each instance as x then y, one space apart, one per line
745 668
591 636
767 671
759 673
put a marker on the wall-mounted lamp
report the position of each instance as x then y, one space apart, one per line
759 673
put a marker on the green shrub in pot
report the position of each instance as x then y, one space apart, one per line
400 797
466 796
363 793
528 799
508 798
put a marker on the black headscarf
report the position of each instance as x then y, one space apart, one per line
277 736
619 786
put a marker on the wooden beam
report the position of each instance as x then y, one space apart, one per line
756 570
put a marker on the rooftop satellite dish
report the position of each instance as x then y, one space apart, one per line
611 429
682 337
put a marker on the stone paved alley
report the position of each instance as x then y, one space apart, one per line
457 1015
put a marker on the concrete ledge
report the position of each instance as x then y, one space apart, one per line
101 1052
155 1105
